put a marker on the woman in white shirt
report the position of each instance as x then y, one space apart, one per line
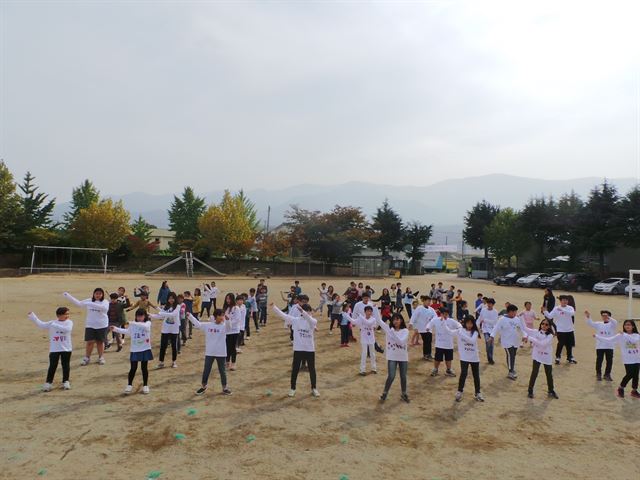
629 343
139 332
469 356
96 323
397 354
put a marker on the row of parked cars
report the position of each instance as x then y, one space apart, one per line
577 282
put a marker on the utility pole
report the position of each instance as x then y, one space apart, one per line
268 217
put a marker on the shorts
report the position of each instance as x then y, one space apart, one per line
567 338
444 354
95 334
143 356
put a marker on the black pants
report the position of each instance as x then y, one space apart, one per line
565 339
548 370
601 354
298 359
214 303
511 358
232 341
208 363
54 357
183 329
206 307
632 370
145 372
344 334
263 315
475 371
426 343
167 339
335 317
254 315
407 306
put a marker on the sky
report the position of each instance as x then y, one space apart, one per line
152 96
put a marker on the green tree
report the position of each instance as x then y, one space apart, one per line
539 219
104 224
570 211
10 209
142 229
184 215
504 236
630 218
249 211
81 197
475 223
387 228
416 236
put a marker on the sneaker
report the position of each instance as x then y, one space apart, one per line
128 389
238 350
620 392
101 361
491 362
66 385
201 390
553 394
330 332
608 378
557 360
572 360
434 372
635 394
375 372
347 345
232 367
429 358
450 373
363 374
174 365
530 394
315 392
119 348
479 397
383 397
145 389
85 361
190 337
511 376
292 393
405 397
458 396
161 365
226 391
378 348
46 387
107 346
599 377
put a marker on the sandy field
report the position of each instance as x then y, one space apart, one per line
94 431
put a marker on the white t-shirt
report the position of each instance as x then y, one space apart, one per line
236 319
215 340
171 320
358 310
467 345
508 329
243 316
604 330
140 333
396 343
367 326
629 346
96 311
206 294
441 327
59 333
542 343
303 327
214 292
421 317
562 317
487 319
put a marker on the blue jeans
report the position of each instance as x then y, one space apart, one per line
208 363
489 345
391 366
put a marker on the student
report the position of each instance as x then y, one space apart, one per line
604 348
419 321
444 341
252 312
432 291
143 303
206 299
344 325
507 326
188 309
399 305
548 300
529 317
262 299
487 319
116 318
460 315
60 348
562 317
629 343
213 294
462 310
96 323
303 327
233 313
215 347
243 320
330 293
478 304
397 354
183 321
197 306
359 311
163 293
393 295
449 295
323 291
335 306
140 333
366 323
169 334
407 299
351 294
137 292
541 352
289 297
469 356
360 289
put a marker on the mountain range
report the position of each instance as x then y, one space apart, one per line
442 204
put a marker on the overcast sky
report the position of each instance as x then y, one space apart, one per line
149 96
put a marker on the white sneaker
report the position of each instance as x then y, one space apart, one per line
458 396
85 361
479 397
238 350
315 392
330 332
46 387
66 385
174 365
145 389
292 393
161 365
128 389
101 361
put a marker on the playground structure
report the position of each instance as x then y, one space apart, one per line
189 259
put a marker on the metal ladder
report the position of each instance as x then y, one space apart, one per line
188 258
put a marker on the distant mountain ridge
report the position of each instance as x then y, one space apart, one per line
442 204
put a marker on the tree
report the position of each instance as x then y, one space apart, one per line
273 244
476 221
226 229
81 197
10 208
539 218
570 211
630 218
416 236
600 226
184 215
104 224
142 229
387 230
35 212
504 236
249 211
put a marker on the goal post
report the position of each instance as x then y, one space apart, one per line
634 288
46 258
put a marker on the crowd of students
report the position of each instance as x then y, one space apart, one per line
435 320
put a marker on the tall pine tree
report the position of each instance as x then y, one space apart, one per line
36 210
476 222
184 214
388 230
10 209
82 197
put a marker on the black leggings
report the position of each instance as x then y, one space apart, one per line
165 340
475 371
632 369
565 339
344 334
232 340
548 370
511 358
54 357
298 359
601 354
334 318
426 343
145 372
254 315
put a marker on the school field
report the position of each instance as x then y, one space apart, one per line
93 431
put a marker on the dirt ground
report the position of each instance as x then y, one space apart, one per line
94 431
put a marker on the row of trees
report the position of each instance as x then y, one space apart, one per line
545 227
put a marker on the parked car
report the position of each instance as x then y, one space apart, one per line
552 281
635 289
508 279
613 285
532 280
578 282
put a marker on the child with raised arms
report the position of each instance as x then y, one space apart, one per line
629 343
96 323
233 313
604 348
397 353
419 321
541 354
60 348
170 332
444 341
487 319
215 345
140 333
469 355
562 316
529 317
366 323
507 327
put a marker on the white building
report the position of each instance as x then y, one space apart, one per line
163 237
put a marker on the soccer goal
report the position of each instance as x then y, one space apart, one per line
67 259
634 291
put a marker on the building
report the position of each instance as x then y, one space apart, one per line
163 237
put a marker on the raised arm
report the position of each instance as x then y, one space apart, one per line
288 319
196 323
73 299
39 323
310 320
383 325
525 329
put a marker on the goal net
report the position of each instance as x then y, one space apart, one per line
633 293
67 259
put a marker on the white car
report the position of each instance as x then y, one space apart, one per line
613 285
635 289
